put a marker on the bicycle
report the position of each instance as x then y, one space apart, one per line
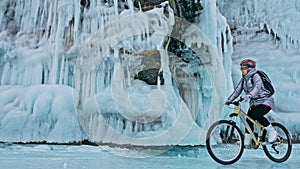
225 141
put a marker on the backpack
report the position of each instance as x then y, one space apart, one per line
266 82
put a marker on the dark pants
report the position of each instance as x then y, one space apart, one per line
257 113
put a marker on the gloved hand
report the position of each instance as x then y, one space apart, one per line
227 102
246 98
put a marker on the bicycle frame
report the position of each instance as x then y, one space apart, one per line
225 144
238 112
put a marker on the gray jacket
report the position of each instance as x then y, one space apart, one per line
254 88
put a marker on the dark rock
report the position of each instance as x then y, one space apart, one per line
85 3
150 76
146 4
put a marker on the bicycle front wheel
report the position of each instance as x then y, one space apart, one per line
280 150
224 142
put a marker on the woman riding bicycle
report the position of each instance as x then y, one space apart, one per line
260 102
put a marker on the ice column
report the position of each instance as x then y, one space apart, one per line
209 19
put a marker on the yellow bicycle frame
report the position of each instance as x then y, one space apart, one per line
243 116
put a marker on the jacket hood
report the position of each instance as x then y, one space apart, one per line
250 73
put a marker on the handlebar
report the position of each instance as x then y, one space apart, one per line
237 102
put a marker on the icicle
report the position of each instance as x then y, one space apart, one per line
66 73
165 66
36 7
44 13
140 7
209 18
62 65
128 128
131 6
116 7
5 74
120 125
76 19
54 69
136 127
14 76
36 71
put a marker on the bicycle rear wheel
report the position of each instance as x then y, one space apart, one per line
280 150
224 142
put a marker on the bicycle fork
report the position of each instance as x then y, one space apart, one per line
228 134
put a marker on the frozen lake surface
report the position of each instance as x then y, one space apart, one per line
89 157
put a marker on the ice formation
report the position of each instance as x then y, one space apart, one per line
96 48
114 107
86 53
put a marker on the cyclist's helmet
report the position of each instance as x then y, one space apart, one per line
249 63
